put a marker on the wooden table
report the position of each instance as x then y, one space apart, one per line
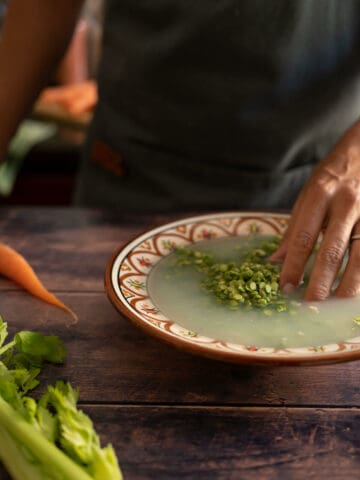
168 414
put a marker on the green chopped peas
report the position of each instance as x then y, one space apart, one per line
253 283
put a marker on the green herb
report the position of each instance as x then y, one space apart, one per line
253 283
50 438
357 320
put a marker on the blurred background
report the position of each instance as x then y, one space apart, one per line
43 157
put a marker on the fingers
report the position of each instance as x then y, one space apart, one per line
342 216
332 196
330 255
340 212
349 285
53 94
76 99
280 254
83 103
301 240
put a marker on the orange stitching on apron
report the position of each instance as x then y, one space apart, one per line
107 158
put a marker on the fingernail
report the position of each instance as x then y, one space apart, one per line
288 288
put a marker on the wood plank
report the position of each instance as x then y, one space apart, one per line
69 247
231 443
112 361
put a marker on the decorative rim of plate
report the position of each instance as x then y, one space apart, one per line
126 286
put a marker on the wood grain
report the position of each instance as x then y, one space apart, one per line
171 415
112 361
69 248
165 443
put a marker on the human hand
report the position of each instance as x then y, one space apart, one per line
329 203
76 99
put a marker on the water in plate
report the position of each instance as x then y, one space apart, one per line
179 296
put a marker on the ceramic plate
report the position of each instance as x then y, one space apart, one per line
126 285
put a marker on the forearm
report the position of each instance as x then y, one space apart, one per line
34 39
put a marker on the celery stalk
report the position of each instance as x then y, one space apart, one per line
28 455
50 439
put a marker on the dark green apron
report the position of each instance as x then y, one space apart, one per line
213 104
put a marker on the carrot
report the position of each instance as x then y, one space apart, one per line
16 268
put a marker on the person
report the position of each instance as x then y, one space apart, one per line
74 88
214 104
